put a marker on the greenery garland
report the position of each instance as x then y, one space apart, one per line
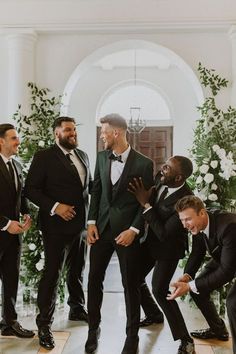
36 133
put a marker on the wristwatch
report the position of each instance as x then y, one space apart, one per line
147 205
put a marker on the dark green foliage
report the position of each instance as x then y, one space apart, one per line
36 133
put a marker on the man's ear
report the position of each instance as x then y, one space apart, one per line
179 178
116 133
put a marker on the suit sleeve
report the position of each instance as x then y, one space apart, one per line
147 178
3 221
96 193
227 265
163 229
196 256
35 181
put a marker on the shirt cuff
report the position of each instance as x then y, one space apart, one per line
91 222
52 212
135 230
193 287
145 210
6 227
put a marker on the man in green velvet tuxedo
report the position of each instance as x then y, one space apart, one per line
115 224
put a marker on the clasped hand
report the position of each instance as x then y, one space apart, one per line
17 227
125 238
65 211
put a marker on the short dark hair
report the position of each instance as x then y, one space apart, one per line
189 201
4 128
115 120
58 121
186 165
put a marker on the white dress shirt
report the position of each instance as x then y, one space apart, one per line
79 166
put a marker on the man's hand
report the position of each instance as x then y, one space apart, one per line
181 288
137 188
27 221
185 278
126 237
65 211
92 234
15 228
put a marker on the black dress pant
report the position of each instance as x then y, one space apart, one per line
100 255
162 274
10 251
205 304
60 249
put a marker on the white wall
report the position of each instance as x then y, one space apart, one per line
60 49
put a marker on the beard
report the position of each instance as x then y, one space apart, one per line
65 143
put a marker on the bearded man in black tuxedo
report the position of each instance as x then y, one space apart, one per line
58 182
213 232
165 244
115 223
12 204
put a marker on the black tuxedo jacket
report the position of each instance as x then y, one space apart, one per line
51 179
12 202
222 248
122 209
166 238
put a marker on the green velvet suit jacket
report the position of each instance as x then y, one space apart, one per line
122 209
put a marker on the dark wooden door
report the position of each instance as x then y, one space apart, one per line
154 142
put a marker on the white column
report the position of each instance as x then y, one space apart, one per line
21 69
232 35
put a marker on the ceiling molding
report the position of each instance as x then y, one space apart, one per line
122 27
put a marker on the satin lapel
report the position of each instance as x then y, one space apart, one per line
212 232
107 174
80 157
19 176
123 178
5 173
65 162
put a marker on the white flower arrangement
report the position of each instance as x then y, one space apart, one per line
214 149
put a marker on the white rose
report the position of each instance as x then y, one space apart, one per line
199 180
39 265
204 168
195 166
41 143
214 187
213 197
214 163
42 255
209 178
221 153
32 246
215 148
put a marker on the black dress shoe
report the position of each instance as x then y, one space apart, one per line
186 347
78 316
92 341
46 338
209 334
150 320
16 330
131 345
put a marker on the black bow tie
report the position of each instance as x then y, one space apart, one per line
116 158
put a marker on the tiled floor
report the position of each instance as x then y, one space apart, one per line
71 336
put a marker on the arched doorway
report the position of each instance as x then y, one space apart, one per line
93 78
